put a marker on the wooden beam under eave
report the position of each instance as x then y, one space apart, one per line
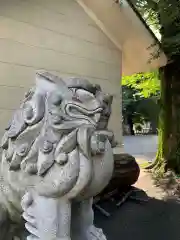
99 12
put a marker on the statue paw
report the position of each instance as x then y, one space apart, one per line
95 234
32 237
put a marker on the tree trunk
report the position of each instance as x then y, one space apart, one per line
130 123
168 155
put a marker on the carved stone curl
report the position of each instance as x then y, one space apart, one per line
57 155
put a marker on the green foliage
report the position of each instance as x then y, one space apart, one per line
149 12
140 109
140 94
163 15
129 98
146 84
130 103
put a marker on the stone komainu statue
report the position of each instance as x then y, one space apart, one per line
57 155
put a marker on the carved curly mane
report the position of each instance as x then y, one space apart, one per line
44 132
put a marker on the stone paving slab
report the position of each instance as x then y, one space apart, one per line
145 146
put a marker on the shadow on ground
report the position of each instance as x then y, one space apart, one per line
155 220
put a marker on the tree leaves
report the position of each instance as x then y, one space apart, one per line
140 95
163 17
146 84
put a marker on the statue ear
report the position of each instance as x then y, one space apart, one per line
108 99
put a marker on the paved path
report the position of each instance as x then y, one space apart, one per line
141 146
156 220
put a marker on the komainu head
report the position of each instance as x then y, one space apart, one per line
45 126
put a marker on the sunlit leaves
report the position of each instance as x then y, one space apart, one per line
162 16
146 84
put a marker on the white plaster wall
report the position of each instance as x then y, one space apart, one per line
56 35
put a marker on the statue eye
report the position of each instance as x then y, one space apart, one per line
84 96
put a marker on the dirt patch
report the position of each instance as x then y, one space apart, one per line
148 185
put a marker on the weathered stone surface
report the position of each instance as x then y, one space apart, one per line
57 155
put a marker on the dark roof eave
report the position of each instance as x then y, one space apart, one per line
144 23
